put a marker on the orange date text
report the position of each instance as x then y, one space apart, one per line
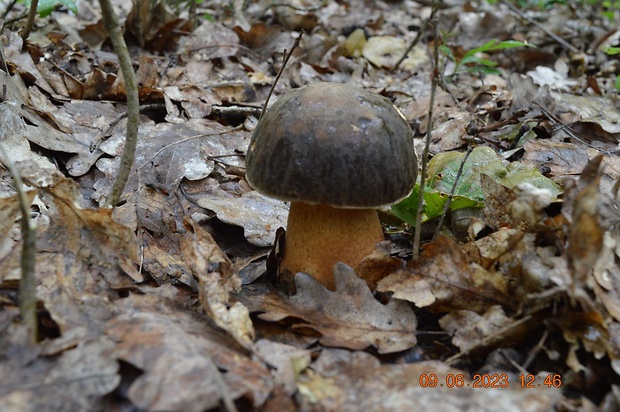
457 380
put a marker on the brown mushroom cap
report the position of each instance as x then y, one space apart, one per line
334 144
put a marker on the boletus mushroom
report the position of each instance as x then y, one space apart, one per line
336 152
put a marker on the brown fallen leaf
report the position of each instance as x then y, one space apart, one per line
83 257
216 282
349 317
187 364
474 333
287 361
76 379
590 331
445 278
606 273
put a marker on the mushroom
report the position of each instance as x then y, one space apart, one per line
336 152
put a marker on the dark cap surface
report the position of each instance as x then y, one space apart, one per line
334 144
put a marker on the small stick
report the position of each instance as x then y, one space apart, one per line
434 83
110 20
456 180
290 6
416 40
32 13
548 32
568 130
288 56
28 281
8 10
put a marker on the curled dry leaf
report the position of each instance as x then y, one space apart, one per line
472 332
349 317
187 364
287 360
81 257
585 234
606 273
258 215
378 264
75 380
217 280
445 278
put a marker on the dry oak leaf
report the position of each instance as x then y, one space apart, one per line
606 273
349 317
75 378
585 239
445 278
82 258
472 332
216 282
188 365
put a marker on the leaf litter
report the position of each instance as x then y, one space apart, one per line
144 306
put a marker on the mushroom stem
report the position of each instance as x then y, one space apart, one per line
319 236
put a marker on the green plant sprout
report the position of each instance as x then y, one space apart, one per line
614 51
46 7
478 64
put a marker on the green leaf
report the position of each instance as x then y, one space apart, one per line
491 45
497 45
612 51
434 202
442 173
46 7
445 50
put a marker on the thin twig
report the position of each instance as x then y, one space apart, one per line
192 13
556 122
133 101
534 352
452 190
290 6
548 32
220 45
416 40
434 83
288 56
28 281
32 13
489 339
8 9
182 141
2 59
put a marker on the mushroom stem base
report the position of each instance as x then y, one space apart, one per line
319 236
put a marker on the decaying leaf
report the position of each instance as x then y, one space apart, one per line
588 330
217 281
586 234
445 278
606 273
287 360
259 216
82 257
76 379
182 358
472 332
349 317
